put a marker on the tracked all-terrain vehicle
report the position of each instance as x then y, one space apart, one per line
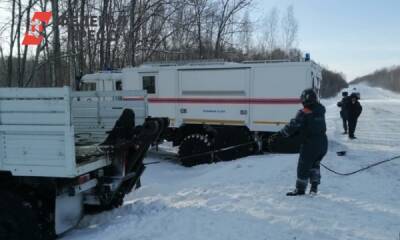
218 110
62 151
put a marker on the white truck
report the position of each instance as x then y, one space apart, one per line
215 105
62 151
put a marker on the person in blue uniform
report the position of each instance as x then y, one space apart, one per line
354 110
343 104
310 124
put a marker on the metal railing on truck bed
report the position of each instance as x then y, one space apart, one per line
40 128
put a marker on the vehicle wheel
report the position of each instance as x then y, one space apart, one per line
151 127
17 219
192 148
231 137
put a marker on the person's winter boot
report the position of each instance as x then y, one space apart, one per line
295 192
314 189
301 186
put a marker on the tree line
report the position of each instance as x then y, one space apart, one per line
388 78
332 83
85 36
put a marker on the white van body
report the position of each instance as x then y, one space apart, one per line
263 96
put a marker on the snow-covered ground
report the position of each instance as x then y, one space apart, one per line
245 199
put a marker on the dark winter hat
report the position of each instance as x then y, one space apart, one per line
345 94
354 95
308 97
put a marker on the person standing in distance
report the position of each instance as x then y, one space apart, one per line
310 124
343 110
354 110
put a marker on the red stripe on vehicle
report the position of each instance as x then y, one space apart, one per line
221 100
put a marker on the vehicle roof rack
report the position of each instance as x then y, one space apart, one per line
186 62
108 71
268 61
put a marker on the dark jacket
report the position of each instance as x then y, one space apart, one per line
354 110
309 123
344 107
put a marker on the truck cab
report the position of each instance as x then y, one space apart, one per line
102 81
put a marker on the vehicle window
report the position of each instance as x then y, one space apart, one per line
149 84
88 87
118 85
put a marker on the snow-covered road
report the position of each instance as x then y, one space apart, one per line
245 199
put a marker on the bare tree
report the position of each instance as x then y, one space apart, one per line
132 32
199 9
71 41
35 68
56 56
289 29
24 58
246 32
81 33
127 32
270 29
12 42
226 10
102 32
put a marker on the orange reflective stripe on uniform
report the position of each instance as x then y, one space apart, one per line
306 110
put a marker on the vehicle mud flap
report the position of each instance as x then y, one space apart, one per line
68 212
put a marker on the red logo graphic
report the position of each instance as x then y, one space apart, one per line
34 36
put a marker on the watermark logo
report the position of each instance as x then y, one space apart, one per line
35 36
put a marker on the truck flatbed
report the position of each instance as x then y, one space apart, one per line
62 152
43 131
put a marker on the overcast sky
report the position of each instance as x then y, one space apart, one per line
355 37
352 36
